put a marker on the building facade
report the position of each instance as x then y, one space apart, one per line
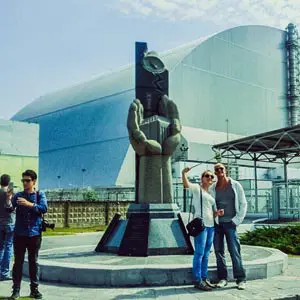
19 149
228 85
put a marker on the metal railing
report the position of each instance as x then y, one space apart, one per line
267 202
262 204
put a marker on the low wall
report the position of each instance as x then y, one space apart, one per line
84 213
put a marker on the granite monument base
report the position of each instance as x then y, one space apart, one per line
150 229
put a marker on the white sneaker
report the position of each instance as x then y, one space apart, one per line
212 285
222 283
241 285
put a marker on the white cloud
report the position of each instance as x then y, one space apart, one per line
163 5
135 6
276 13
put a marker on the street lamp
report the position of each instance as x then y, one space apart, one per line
227 134
183 150
58 179
83 171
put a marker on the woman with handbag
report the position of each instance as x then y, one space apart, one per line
202 226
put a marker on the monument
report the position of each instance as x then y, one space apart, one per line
153 225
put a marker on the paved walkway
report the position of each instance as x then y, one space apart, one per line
279 287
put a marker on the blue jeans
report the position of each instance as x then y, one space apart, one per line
202 243
6 248
233 244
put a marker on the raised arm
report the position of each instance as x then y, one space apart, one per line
11 202
185 180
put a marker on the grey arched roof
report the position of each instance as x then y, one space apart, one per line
109 84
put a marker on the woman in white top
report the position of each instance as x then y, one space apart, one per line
204 240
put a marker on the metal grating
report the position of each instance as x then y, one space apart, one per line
283 143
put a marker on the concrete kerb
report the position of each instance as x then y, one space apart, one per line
296 297
146 274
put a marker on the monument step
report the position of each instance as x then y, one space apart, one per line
83 266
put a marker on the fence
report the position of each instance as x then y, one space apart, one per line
96 194
84 213
85 208
287 201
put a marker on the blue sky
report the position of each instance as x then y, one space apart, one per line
47 45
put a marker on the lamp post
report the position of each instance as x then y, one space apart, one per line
183 150
227 134
58 179
83 171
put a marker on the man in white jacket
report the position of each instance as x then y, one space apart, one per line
232 206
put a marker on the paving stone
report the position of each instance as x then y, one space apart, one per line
282 287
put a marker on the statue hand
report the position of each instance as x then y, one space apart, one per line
169 110
139 141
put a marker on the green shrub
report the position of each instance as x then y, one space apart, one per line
90 195
286 239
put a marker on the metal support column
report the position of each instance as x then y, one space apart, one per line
184 200
255 183
286 183
184 150
227 137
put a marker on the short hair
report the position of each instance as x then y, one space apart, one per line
5 180
204 173
218 165
30 173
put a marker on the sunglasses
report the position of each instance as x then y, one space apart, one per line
218 169
26 180
209 176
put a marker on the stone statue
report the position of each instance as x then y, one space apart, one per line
153 225
154 139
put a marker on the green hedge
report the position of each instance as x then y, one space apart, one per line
286 239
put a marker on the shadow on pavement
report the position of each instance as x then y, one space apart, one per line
170 291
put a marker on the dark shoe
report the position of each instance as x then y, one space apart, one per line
201 285
5 278
35 294
15 295
222 283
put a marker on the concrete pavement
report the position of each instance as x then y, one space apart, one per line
279 287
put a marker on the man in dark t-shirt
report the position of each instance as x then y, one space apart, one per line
232 206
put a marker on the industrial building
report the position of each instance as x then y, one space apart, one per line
236 83
19 149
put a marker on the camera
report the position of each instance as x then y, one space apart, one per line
45 224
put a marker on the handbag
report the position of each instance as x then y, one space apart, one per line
196 225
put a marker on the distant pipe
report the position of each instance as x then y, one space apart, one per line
292 46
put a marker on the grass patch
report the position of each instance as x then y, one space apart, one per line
71 231
8 298
293 256
286 239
